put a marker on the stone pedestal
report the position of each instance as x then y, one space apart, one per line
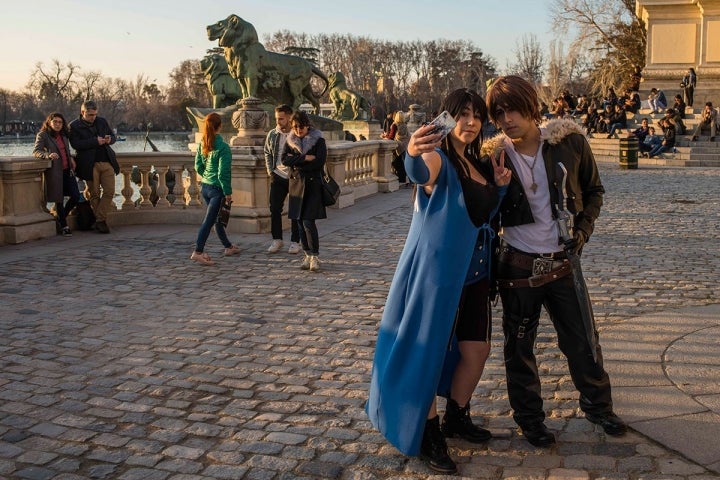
22 217
369 129
251 122
415 118
682 34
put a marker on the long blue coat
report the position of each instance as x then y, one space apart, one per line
417 323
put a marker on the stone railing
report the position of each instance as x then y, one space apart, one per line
361 169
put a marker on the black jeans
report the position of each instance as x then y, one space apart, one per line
309 237
279 188
70 189
521 314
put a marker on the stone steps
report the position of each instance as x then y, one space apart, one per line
701 153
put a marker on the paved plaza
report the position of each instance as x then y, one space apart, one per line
121 359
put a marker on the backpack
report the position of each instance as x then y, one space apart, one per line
84 215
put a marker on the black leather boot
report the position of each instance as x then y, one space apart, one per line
457 422
433 450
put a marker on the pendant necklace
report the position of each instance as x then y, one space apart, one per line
531 166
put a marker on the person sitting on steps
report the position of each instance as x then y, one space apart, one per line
708 122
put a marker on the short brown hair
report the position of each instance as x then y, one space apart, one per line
513 93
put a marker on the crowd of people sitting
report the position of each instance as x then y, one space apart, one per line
610 115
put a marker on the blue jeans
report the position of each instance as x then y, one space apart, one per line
213 197
657 150
616 126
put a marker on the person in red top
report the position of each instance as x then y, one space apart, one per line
51 143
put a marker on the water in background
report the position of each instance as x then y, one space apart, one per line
165 142
134 142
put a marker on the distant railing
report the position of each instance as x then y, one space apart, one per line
361 169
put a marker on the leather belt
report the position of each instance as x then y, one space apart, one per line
544 268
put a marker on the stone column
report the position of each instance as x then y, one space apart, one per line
414 118
22 216
250 212
682 34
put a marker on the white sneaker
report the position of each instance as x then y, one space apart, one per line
275 246
305 265
294 248
314 263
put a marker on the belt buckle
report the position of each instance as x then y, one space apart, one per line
542 266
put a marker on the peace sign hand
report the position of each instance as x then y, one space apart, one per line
501 172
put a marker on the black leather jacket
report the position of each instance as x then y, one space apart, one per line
562 143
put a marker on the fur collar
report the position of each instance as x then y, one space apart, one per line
303 145
552 132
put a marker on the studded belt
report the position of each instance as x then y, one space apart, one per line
545 268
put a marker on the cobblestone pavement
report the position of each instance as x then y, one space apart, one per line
120 359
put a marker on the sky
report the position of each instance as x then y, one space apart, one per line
129 38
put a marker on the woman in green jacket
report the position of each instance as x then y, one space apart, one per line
213 162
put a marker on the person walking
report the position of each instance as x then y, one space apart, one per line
434 337
52 143
279 182
533 267
91 137
305 155
399 132
213 162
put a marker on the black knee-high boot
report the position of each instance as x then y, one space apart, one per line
457 422
433 449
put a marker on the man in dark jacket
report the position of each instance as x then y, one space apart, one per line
91 137
533 266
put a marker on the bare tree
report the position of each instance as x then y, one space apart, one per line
529 59
86 84
53 85
609 31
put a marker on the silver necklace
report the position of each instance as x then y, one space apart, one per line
531 166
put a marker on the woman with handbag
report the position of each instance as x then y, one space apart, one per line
305 153
213 162
434 337
52 144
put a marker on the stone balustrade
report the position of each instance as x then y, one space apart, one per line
360 168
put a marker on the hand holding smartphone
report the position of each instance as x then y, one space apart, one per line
443 123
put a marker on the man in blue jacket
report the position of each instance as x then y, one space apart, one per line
91 137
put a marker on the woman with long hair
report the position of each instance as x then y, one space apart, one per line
213 162
52 143
305 154
434 337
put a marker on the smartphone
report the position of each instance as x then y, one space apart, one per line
443 123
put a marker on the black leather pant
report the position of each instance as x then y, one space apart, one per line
521 313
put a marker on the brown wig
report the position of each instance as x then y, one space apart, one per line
455 103
513 93
212 125
47 124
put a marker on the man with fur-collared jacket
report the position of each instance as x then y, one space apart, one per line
533 268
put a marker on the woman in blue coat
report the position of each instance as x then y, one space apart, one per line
434 336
